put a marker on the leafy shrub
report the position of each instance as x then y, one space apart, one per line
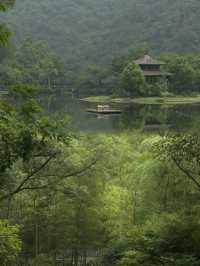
180 260
10 243
156 89
113 254
136 258
170 240
42 260
133 258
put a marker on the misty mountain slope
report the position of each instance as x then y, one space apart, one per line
93 31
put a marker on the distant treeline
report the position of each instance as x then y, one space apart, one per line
93 31
123 77
34 62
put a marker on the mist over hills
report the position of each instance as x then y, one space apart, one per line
93 31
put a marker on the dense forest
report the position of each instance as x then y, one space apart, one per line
86 198
93 31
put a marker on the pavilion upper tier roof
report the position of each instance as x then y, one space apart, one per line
148 60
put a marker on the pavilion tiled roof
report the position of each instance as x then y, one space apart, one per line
148 60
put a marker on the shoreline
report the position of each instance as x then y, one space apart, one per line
163 100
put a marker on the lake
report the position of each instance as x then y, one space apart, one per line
134 116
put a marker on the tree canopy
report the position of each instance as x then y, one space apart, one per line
94 31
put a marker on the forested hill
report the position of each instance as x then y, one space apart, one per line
95 30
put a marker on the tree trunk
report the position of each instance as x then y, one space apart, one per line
76 255
49 83
36 229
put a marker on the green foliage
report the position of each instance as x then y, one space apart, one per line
127 203
168 240
4 35
155 89
134 258
42 260
10 244
95 31
75 195
121 61
133 81
33 63
95 79
183 147
4 32
183 260
27 137
185 73
24 91
183 150
6 4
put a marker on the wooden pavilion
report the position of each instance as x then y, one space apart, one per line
151 68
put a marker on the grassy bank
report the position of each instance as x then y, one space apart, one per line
172 100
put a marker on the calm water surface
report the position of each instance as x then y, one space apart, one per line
134 116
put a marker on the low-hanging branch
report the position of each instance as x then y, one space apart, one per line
22 188
75 173
187 173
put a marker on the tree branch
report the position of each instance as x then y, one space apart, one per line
186 172
21 187
27 178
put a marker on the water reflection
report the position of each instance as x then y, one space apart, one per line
134 116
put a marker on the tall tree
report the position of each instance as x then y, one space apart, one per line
133 81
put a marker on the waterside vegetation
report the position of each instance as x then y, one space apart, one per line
172 100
